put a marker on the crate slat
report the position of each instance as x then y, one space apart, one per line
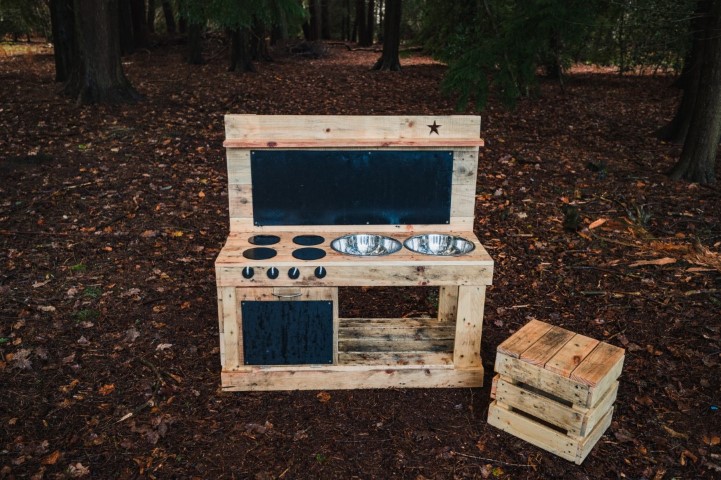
571 355
547 346
526 336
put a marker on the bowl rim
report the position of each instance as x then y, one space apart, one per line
384 237
454 237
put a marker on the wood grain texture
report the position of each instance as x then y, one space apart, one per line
448 303
524 337
343 377
335 128
602 361
547 346
469 326
232 330
571 355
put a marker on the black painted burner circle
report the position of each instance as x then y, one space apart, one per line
260 253
264 239
308 240
308 253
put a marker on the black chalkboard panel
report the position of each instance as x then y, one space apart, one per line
351 187
287 332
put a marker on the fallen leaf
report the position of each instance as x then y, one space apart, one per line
131 334
51 459
107 389
21 359
46 308
597 223
40 284
674 433
323 397
78 470
658 261
711 440
163 346
687 454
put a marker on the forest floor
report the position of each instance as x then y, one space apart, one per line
111 218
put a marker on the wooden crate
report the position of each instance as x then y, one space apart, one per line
555 389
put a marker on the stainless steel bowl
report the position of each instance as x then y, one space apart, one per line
439 244
365 245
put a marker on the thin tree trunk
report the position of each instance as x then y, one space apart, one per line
325 19
370 23
390 60
698 157
169 16
140 26
359 25
195 43
151 16
97 76
675 131
125 15
63 26
240 58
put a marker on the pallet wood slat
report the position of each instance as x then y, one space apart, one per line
343 129
551 376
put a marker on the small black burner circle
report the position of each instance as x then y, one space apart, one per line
264 239
308 253
308 240
260 253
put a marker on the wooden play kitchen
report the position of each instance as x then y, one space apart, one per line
321 202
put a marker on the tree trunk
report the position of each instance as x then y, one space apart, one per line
140 25
97 76
698 157
360 22
315 26
125 16
169 17
370 23
195 43
258 45
325 19
675 131
390 60
63 26
151 16
240 58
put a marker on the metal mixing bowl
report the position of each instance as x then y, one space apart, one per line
439 244
363 244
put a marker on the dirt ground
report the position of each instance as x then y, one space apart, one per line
111 218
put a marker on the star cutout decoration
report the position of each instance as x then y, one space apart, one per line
434 128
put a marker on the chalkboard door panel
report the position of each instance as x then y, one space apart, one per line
287 332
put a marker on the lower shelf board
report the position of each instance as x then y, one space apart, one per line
343 377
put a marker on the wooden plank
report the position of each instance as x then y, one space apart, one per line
573 449
598 412
571 355
554 384
241 225
221 326
395 358
448 303
240 201
342 377
469 326
397 333
532 432
599 390
232 330
540 406
394 344
465 167
547 346
391 323
342 129
592 438
238 166
387 275
350 142
524 337
598 364
463 200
